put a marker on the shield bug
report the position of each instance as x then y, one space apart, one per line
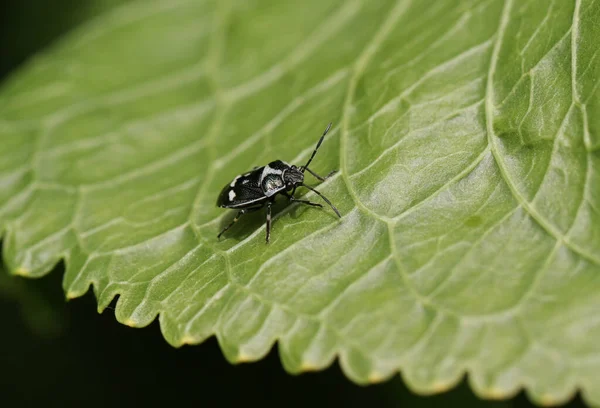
258 188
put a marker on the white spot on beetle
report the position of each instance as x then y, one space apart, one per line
231 195
234 181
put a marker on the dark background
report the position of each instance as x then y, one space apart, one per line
58 353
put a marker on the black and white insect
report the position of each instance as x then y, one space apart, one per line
258 188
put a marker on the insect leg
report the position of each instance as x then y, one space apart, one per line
321 177
269 219
324 198
292 198
237 217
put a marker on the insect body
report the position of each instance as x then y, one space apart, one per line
258 188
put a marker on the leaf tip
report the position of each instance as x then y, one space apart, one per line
495 393
440 387
129 322
309 366
376 377
21 271
548 401
70 295
187 339
244 358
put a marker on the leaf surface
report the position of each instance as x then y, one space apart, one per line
467 139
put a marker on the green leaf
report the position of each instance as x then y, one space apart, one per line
467 139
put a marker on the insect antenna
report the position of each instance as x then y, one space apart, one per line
303 168
324 198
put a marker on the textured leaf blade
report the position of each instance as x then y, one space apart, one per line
466 141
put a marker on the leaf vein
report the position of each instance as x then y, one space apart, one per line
542 222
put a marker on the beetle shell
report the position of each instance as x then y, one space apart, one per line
254 187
